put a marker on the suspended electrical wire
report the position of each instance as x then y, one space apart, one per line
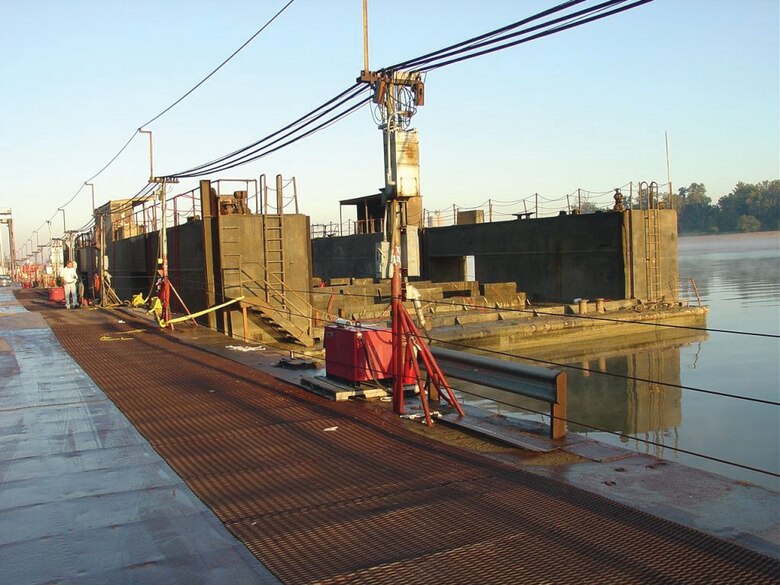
607 373
205 79
262 146
632 437
554 26
175 103
541 312
600 429
463 45
254 151
449 303
451 54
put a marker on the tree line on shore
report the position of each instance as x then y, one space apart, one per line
748 208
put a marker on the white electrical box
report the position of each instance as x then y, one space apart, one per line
404 160
410 250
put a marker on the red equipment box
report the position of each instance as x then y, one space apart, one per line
358 353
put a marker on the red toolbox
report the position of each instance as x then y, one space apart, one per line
358 353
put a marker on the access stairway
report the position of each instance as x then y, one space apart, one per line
268 301
275 320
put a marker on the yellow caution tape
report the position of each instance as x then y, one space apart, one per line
199 313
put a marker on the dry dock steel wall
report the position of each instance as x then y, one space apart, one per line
346 256
132 263
241 268
556 259
612 255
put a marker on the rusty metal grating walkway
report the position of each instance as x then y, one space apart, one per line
368 502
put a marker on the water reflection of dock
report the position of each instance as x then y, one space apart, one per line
634 389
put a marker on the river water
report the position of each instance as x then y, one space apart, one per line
659 399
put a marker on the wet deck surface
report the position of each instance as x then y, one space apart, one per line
83 496
318 491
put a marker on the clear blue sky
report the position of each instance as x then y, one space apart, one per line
585 108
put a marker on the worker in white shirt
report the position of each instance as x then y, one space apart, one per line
69 279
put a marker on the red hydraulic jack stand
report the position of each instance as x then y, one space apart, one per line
407 343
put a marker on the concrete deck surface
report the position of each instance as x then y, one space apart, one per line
83 496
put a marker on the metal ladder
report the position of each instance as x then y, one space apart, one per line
652 242
273 248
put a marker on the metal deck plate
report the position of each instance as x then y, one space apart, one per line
333 493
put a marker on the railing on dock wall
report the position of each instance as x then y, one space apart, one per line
145 216
579 201
529 381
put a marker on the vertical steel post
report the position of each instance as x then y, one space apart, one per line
2 255
208 213
264 190
164 252
12 241
397 355
558 409
279 195
102 262
295 195
365 36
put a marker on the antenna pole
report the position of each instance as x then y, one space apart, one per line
668 172
365 36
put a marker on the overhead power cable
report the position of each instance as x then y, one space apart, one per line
166 110
255 150
193 285
468 49
137 198
539 35
449 55
630 437
611 374
267 150
465 45
202 81
453 53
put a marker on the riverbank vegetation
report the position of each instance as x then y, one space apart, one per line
748 208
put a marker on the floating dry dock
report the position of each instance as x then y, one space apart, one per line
497 315
331 492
